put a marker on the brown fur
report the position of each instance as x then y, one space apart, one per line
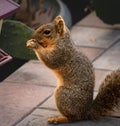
53 45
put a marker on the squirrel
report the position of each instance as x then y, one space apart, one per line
53 45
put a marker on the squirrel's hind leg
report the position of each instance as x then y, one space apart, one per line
58 120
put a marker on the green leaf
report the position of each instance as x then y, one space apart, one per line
13 39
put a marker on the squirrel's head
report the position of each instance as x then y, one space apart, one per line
48 34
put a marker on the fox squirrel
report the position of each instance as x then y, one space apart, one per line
73 95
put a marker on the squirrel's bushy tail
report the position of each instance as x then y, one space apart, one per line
108 96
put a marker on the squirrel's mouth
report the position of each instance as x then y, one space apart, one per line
33 43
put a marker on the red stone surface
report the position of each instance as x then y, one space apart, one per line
91 53
17 100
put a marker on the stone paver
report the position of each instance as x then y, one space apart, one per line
48 109
110 59
39 118
49 104
94 37
33 72
91 53
17 100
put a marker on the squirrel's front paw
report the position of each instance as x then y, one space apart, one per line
32 43
57 120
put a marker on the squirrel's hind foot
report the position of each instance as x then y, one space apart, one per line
57 120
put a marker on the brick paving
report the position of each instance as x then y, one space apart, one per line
26 95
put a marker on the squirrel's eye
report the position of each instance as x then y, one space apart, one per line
47 32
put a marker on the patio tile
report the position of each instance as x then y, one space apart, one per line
91 53
17 100
93 21
49 104
39 118
48 109
110 60
33 72
94 37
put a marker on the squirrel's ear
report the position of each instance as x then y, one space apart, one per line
58 18
60 25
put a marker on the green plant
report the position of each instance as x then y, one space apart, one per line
13 39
